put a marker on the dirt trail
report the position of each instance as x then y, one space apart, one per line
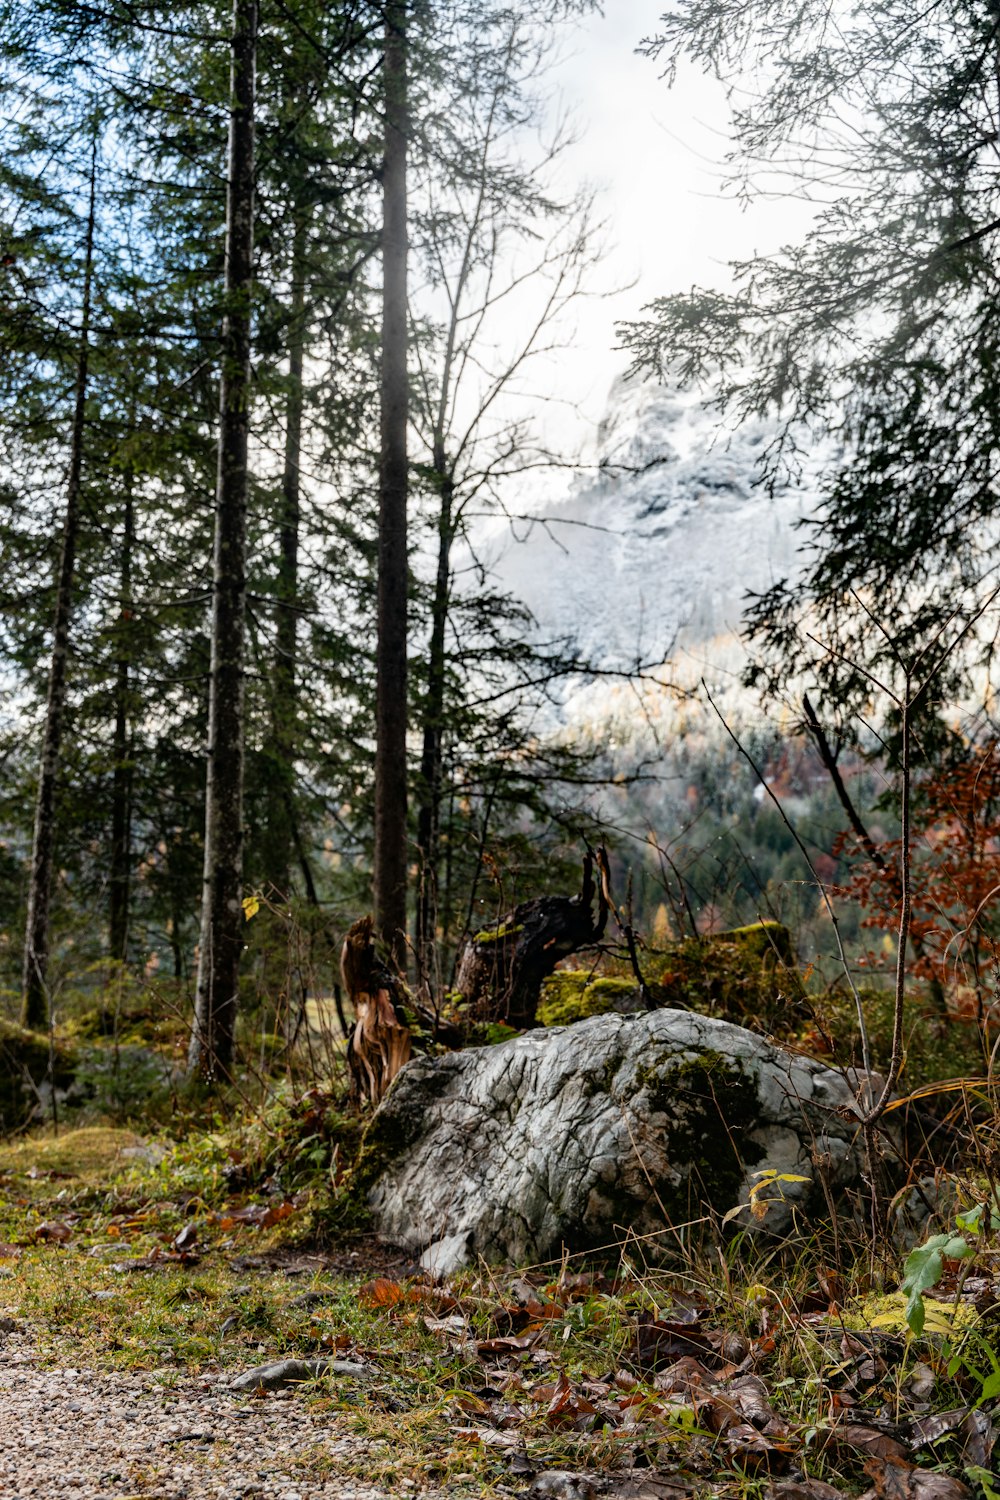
96 1436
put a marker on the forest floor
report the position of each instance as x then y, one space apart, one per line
145 1305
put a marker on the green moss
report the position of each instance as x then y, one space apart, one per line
934 1049
95 1151
770 941
28 1055
747 975
141 1025
573 995
497 934
888 1314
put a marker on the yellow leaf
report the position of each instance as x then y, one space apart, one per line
772 1176
251 906
947 1086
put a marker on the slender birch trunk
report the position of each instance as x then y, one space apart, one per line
390 711
221 936
34 988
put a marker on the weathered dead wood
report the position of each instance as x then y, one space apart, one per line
500 970
379 1043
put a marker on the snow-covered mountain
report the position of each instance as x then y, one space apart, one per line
651 553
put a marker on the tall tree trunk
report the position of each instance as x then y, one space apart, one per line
34 989
390 709
279 841
221 935
121 790
429 792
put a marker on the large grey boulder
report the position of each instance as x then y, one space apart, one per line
573 1136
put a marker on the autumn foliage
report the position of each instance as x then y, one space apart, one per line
954 877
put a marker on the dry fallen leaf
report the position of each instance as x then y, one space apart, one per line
686 1376
750 1449
508 1345
382 1293
562 1484
895 1479
385 1293
454 1325
490 1438
802 1489
750 1394
263 1215
276 1213
980 1439
866 1440
55 1231
565 1406
659 1343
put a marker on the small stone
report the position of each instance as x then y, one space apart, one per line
295 1372
445 1257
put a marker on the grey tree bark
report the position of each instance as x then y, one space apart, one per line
430 785
390 711
280 825
122 779
34 987
221 936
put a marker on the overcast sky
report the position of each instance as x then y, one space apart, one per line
657 157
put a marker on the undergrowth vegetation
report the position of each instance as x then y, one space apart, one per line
727 1370
150 1226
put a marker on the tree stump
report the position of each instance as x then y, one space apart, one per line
500 970
379 1043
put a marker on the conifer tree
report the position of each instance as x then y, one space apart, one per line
221 938
35 1007
879 329
390 852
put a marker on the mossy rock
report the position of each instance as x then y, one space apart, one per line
619 1129
574 994
141 1026
26 1058
746 975
770 942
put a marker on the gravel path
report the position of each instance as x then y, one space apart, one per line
82 1434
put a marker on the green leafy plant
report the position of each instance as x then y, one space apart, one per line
924 1269
925 1266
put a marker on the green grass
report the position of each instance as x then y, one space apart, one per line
456 1393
